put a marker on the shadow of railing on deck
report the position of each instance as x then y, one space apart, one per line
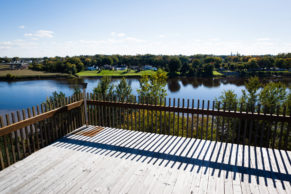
165 149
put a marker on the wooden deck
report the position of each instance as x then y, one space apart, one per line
122 161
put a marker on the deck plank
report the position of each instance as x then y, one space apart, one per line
123 161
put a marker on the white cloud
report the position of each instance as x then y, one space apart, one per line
18 44
133 39
214 39
120 34
122 38
114 34
162 36
40 34
263 39
115 44
21 27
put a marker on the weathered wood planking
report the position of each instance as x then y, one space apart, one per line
123 161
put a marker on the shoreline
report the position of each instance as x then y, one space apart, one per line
35 77
68 76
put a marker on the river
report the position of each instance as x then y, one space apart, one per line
16 95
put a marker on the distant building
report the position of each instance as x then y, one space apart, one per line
120 67
91 68
18 65
108 67
134 67
149 67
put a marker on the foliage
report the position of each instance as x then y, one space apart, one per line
273 95
287 103
269 97
174 65
185 69
201 64
77 91
113 73
153 86
104 88
56 97
229 98
10 76
123 90
252 85
208 69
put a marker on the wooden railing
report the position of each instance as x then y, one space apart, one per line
240 124
27 131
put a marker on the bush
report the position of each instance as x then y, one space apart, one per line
10 76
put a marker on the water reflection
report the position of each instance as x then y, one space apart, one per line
173 85
22 94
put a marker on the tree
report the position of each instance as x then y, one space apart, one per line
104 88
153 87
77 91
273 95
281 63
229 98
88 61
107 61
208 69
174 65
78 63
265 62
252 85
14 59
56 97
252 64
115 59
287 103
185 68
196 63
191 71
123 90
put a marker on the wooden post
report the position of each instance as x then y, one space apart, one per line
85 103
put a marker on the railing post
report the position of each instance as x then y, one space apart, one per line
85 103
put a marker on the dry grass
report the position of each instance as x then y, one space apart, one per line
26 73
4 67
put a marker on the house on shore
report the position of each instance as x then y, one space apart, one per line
149 67
18 65
120 67
92 68
108 67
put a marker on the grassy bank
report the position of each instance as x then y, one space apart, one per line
27 74
113 73
216 73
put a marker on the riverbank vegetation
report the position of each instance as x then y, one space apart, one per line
258 97
179 65
29 74
271 98
114 73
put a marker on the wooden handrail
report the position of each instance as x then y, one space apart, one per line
21 124
233 114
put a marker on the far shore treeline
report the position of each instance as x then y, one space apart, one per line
179 65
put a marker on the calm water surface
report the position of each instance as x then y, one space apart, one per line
23 94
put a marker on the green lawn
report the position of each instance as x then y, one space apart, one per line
113 73
216 73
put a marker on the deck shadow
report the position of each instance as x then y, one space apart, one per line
111 144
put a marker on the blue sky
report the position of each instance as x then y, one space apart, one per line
35 28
